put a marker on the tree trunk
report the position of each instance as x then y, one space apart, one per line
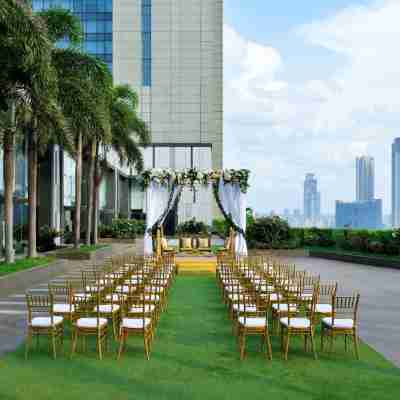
96 181
9 178
78 191
32 193
91 177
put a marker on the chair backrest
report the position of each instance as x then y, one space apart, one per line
40 305
327 290
345 307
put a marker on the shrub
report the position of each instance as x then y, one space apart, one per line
45 239
376 247
267 233
193 227
122 228
220 227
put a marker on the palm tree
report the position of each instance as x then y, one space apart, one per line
26 79
128 134
85 93
45 129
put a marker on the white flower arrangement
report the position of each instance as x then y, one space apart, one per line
192 177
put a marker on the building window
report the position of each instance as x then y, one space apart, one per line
146 43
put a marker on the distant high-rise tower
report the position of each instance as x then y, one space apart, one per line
396 183
365 178
312 199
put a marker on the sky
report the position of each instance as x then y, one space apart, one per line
309 86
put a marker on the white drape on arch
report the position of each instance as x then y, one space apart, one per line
160 199
233 202
157 196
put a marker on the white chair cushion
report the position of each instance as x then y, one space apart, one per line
82 295
339 323
45 322
249 308
63 308
275 296
151 297
107 308
157 289
297 323
90 322
235 297
252 322
284 307
323 308
135 323
115 297
122 289
139 308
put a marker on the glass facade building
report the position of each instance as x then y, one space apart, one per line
97 24
359 214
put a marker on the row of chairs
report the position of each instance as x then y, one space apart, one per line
265 298
128 292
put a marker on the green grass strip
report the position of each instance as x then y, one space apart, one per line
23 264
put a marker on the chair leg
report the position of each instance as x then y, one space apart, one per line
53 342
146 346
28 343
331 343
313 346
356 347
268 344
305 343
74 342
322 338
121 344
242 344
286 344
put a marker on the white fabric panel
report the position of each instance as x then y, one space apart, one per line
233 201
157 196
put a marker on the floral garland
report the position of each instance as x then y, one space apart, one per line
193 176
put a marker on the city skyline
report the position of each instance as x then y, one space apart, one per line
296 96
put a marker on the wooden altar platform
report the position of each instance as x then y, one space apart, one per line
196 264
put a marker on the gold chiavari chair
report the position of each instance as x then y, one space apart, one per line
323 306
342 322
299 321
137 323
62 297
253 321
43 322
88 322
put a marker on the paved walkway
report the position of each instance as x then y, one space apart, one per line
14 286
380 299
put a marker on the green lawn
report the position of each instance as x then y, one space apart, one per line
195 357
22 264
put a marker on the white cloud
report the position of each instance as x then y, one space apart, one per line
281 130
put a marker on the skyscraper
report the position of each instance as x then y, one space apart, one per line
312 200
396 183
365 178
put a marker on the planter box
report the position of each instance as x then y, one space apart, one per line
281 252
357 259
75 255
114 240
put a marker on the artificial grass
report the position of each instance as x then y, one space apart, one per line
195 357
22 264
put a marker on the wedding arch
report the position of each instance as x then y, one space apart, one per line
163 188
